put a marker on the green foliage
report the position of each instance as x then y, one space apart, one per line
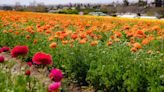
13 82
68 12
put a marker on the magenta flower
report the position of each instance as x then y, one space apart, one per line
2 59
5 49
54 86
56 75
1 50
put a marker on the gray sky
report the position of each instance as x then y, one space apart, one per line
26 2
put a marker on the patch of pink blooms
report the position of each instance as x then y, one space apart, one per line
56 75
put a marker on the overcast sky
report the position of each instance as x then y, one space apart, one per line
26 2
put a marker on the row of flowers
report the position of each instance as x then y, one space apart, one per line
87 30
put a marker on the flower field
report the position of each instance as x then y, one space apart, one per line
49 51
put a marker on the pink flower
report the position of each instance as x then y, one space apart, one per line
5 49
54 86
42 58
19 51
56 75
2 59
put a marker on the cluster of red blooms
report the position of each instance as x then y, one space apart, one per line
39 58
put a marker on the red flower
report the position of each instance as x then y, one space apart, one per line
19 50
2 59
28 72
74 36
56 75
5 49
29 64
42 58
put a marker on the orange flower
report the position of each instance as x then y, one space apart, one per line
28 36
5 31
35 41
118 34
17 32
83 41
99 37
83 35
38 26
145 41
129 34
140 32
50 38
74 36
109 43
10 30
94 43
112 37
133 49
71 45
48 31
137 45
61 37
156 28
53 45
65 42
89 31
71 41
116 39
126 27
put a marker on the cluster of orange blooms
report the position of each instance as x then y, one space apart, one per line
83 29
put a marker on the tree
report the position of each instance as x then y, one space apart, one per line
41 7
7 8
17 6
158 3
142 3
126 3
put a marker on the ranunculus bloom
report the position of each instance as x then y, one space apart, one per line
109 43
19 51
2 59
54 86
56 75
137 45
28 72
53 45
1 50
29 64
42 58
94 43
5 49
